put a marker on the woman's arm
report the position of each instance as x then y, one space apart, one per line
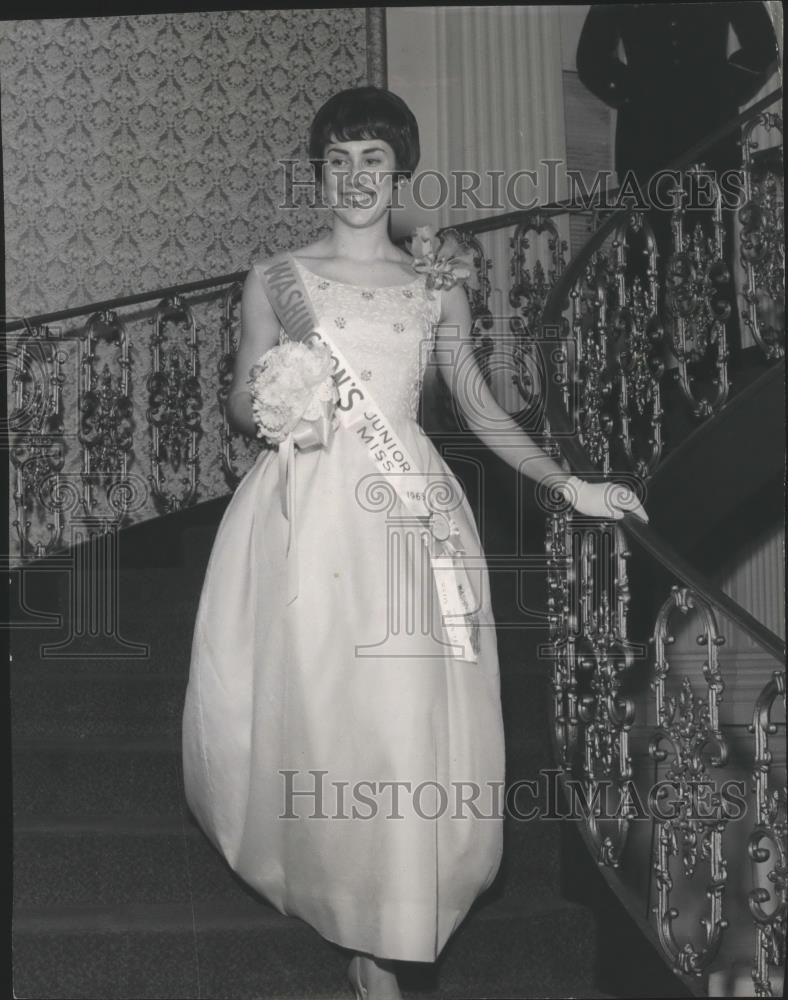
502 435
259 332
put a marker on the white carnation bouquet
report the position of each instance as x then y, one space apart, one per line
294 392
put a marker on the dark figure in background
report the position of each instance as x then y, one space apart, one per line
678 84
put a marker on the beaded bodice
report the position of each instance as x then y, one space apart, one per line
385 333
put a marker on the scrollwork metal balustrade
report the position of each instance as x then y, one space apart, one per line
762 241
612 314
768 844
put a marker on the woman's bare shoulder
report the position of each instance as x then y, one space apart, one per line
318 250
314 251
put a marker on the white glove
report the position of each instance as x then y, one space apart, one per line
604 500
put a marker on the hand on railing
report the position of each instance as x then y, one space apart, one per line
606 500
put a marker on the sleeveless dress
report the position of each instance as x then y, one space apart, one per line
342 703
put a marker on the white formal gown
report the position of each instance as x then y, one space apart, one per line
347 680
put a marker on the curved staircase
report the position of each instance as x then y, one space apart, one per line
117 892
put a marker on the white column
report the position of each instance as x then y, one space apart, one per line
501 105
411 44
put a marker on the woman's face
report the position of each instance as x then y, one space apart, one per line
358 179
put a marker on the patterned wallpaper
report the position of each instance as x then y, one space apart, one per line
142 151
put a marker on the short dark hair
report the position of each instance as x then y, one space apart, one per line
366 113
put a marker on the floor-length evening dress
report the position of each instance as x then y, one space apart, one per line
342 684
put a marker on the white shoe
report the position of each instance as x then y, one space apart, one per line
354 975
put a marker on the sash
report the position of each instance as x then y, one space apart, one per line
360 414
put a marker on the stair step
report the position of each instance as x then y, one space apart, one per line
152 654
135 647
120 778
694 468
521 951
127 824
141 697
525 694
119 894
154 607
79 701
78 852
197 543
51 587
245 951
84 867
90 780
531 859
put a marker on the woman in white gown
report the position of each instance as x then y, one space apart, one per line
331 744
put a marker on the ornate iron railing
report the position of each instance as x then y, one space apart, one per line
86 420
606 316
597 335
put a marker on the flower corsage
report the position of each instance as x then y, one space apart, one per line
294 392
442 259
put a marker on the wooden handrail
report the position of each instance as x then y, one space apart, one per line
44 319
650 541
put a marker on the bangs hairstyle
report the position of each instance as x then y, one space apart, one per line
366 113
